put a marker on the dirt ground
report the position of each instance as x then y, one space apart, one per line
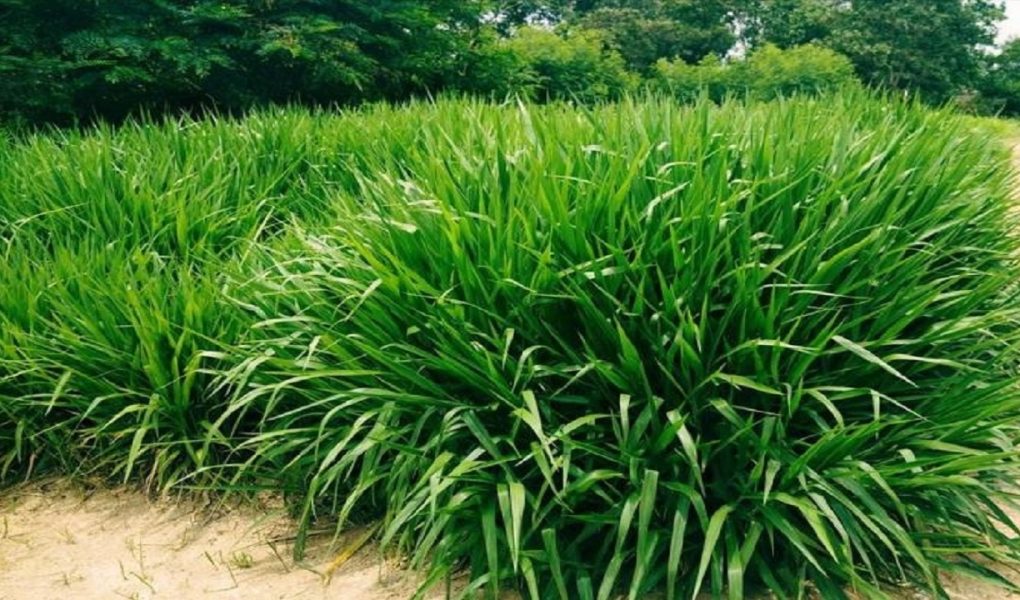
58 541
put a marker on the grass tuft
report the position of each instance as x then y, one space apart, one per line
579 352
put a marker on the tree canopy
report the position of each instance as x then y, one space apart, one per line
933 46
64 58
64 61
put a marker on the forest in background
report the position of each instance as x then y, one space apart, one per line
66 61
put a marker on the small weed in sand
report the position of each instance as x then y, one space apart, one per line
242 560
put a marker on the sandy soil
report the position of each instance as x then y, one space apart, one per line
58 541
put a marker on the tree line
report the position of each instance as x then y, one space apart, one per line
66 61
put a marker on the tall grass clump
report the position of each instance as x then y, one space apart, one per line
114 243
586 353
646 347
114 250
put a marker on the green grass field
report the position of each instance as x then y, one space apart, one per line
583 353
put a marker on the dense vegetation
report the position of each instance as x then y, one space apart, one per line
575 351
64 61
766 74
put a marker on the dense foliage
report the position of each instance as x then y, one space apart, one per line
575 351
647 31
999 91
64 59
549 66
768 73
64 62
936 47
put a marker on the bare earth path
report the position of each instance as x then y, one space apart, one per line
57 542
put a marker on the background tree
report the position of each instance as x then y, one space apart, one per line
1000 84
578 65
788 23
644 31
935 47
510 13
65 60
